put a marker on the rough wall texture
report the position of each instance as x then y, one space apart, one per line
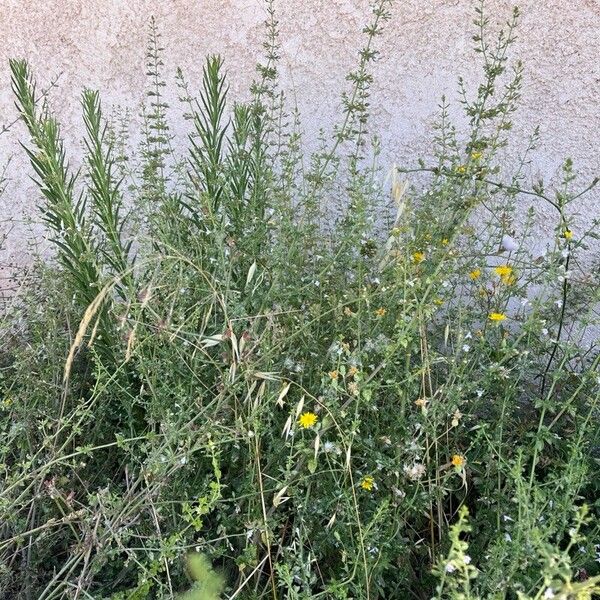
101 44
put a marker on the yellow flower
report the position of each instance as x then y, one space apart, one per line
476 155
307 420
503 271
380 312
418 257
506 274
438 301
368 483
334 375
352 371
568 234
421 402
458 460
475 274
461 169
497 317
445 242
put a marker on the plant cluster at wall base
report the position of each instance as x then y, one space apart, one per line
251 371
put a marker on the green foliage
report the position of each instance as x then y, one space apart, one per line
307 382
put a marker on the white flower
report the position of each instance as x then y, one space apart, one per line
549 593
415 471
331 448
467 559
509 243
450 568
466 347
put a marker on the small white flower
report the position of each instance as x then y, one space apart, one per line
508 243
415 471
467 559
450 568
549 593
466 347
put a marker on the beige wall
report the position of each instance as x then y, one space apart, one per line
101 44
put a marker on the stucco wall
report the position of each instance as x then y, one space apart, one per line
101 44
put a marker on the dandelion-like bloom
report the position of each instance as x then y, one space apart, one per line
308 420
505 273
497 317
368 483
418 257
352 371
380 312
461 169
445 242
568 234
334 375
458 460
475 274
503 270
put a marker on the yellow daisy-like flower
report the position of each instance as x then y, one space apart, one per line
568 234
497 317
461 169
380 312
475 274
458 460
476 155
445 242
418 257
352 371
368 483
334 375
307 420
503 271
506 274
